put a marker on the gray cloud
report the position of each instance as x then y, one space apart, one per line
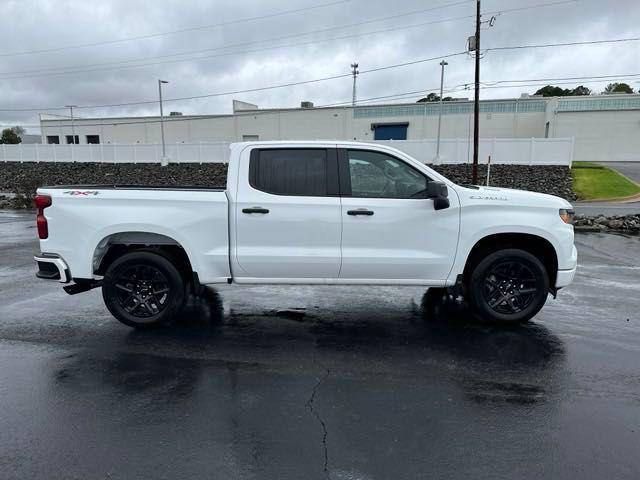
44 24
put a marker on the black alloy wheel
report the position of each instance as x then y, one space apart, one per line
509 285
143 289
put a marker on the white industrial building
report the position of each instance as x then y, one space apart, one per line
604 127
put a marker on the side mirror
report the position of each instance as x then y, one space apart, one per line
438 192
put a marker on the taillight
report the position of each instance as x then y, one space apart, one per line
42 202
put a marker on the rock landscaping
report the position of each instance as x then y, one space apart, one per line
601 223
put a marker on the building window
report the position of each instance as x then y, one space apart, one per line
250 138
389 131
70 139
289 172
93 138
53 139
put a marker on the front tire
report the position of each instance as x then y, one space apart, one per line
508 286
143 290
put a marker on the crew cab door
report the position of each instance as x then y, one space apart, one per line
391 231
287 214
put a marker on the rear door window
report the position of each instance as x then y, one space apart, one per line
301 172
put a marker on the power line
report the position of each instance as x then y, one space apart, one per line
554 79
564 44
235 92
117 64
324 78
345 103
173 32
531 7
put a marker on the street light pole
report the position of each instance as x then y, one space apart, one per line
442 64
73 127
164 161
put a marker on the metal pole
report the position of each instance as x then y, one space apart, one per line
164 160
355 72
476 103
442 64
488 169
73 127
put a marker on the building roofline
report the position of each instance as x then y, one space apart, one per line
332 107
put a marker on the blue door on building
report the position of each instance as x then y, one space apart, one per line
391 131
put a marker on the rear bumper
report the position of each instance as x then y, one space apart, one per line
52 267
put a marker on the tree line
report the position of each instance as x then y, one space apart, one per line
555 91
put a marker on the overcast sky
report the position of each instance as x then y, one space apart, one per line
240 53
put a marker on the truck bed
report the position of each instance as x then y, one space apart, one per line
82 217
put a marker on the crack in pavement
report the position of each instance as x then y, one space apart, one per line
309 406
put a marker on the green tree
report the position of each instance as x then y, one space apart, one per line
433 97
581 90
618 88
10 136
551 91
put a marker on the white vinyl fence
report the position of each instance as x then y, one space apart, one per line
516 151
506 151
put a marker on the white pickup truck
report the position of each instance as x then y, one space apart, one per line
340 213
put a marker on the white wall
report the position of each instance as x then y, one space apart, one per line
602 136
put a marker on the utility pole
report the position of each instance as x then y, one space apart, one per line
355 72
442 64
164 161
476 102
73 127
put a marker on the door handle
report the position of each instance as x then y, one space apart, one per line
360 211
255 210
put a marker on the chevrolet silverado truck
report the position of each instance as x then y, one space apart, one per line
327 213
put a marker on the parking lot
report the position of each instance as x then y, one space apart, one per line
320 382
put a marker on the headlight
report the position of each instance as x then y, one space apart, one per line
567 214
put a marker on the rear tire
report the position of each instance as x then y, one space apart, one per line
508 286
143 290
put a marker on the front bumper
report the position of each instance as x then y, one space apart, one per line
52 267
565 277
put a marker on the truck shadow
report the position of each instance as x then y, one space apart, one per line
431 328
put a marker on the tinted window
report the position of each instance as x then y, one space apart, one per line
290 172
379 175
53 139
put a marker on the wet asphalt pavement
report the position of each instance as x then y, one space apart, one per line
365 383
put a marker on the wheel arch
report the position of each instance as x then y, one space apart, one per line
538 246
114 245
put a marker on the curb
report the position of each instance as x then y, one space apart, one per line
629 199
